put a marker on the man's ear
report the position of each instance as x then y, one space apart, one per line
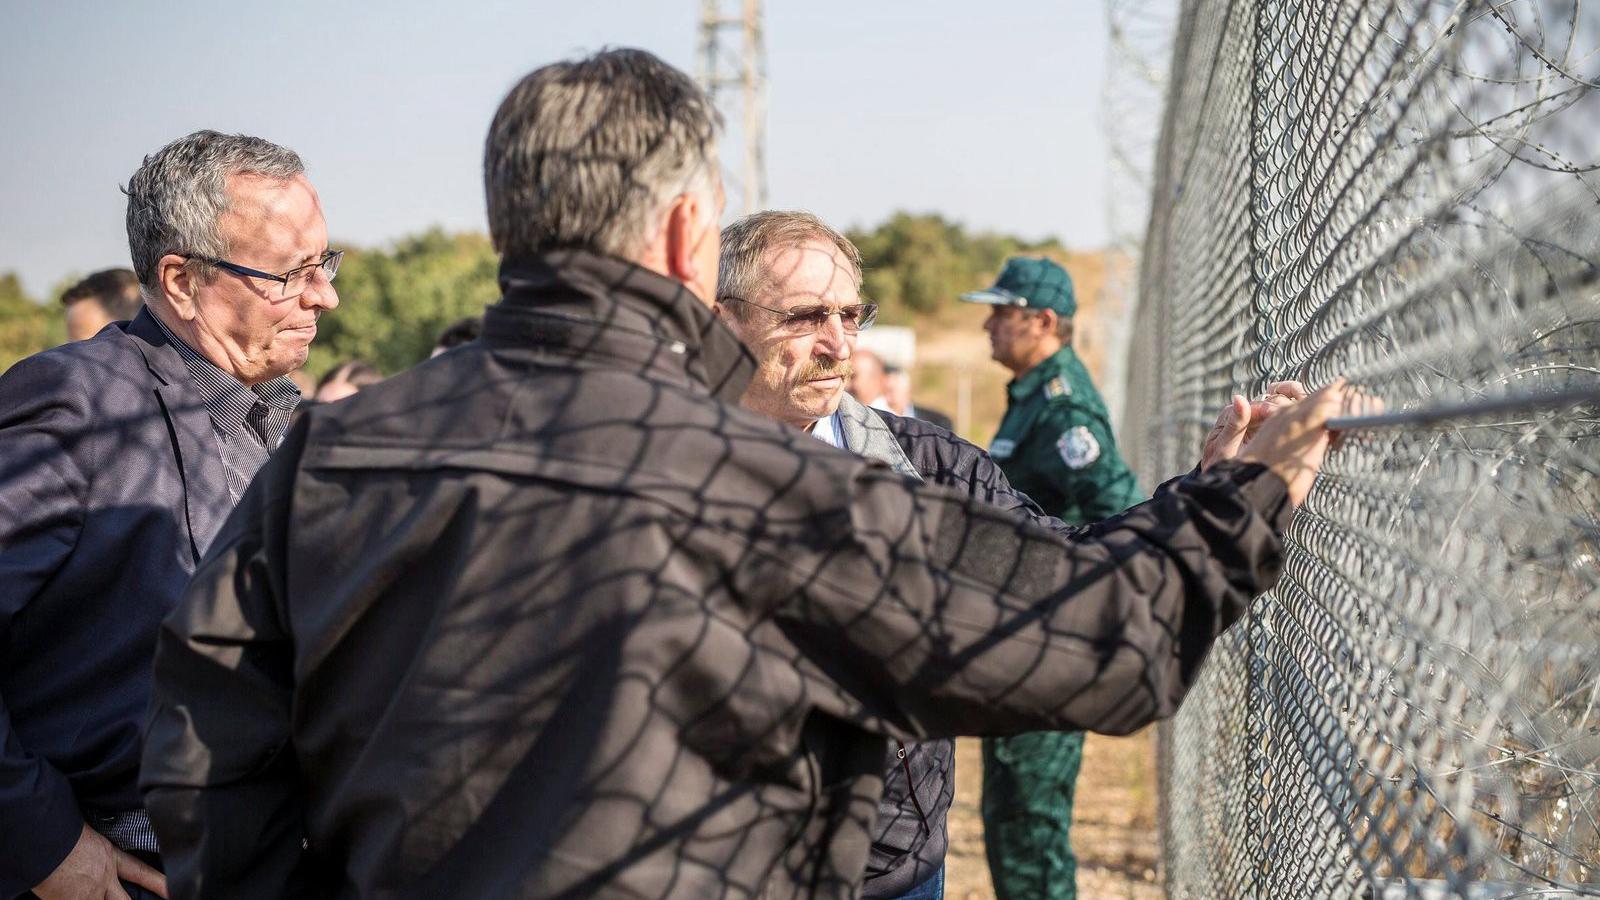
179 284
685 231
1047 319
721 312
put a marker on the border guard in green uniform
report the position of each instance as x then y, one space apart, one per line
1054 445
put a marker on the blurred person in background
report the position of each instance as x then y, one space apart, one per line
550 615
463 332
867 382
345 379
107 296
897 396
887 387
120 456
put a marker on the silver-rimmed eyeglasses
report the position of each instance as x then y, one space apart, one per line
805 319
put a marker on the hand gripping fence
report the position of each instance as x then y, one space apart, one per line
1403 192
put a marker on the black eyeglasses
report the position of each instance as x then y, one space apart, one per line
804 319
296 281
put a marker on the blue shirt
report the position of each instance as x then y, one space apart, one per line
827 431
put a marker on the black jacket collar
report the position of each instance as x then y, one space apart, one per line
608 311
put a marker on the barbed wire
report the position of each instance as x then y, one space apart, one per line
1403 192
1136 82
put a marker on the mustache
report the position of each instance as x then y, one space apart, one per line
827 369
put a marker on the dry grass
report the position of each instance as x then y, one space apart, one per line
1113 823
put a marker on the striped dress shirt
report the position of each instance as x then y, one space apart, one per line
249 422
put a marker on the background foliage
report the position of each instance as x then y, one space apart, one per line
26 325
395 300
918 263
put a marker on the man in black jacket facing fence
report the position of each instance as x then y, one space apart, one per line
550 615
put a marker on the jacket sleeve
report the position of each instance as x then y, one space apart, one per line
952 462
944 459
218 775
935 615
41 515
983 481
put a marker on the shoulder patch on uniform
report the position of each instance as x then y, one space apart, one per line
1057 387
1078 447
1002 448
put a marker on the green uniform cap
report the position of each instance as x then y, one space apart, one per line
1032 282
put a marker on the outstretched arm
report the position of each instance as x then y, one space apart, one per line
941 616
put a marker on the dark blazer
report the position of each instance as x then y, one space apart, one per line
932 416
910 836
111 486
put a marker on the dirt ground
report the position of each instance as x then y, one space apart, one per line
1113 824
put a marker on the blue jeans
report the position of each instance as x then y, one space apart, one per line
932 889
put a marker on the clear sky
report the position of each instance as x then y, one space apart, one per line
986 112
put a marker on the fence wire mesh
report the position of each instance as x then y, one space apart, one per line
1403 192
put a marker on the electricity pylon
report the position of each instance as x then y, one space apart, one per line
734 72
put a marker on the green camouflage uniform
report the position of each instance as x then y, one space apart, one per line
1055 445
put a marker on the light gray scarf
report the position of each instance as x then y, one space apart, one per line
865 434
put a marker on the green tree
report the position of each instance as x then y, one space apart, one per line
917 263
394 302
26 326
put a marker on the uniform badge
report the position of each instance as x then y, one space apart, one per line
1078 447
1057 387
1002 448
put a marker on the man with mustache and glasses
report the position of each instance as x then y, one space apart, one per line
790 288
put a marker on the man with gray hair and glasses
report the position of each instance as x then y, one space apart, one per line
120 456
789 285
550 615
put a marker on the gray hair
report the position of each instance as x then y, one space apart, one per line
178 195
741 270
587 153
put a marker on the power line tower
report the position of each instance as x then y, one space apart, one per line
733 70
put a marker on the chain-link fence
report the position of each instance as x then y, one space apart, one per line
1403 192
